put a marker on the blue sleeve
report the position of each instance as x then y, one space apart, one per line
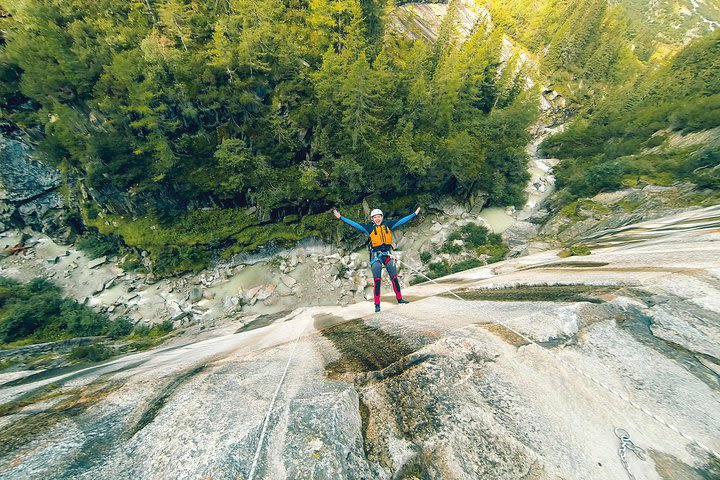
353 223
402 221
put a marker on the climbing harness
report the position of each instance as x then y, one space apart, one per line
597 382
625 445
380 257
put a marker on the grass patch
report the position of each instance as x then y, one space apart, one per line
91 353
629 206
96 245
571 211
537 293
5 364
506 334
575 250
466 265
46 392
582 209
23 431
157 330
189 242
141 345
569 265
495 252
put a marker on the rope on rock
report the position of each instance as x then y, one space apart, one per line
604 386
261 440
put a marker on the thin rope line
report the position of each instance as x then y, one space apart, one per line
568 364
270 408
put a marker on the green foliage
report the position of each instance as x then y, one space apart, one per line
496 250
466 265
239 169
213 104
449 247
37 312
474 235
118 328
8 363
590 44
91 353
142 330
176 258
210 103
157 330
574 250
439 269
707 173
99 245
476 239
607 149
133 263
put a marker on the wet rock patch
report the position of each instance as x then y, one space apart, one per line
538 293
363 348
73 403
158 402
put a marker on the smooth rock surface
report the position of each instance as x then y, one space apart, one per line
440 388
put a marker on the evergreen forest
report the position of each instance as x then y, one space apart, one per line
192 128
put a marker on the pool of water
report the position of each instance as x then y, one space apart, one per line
497 218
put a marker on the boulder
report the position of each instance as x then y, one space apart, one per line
27 191
334 271
448 206
21 178
438 238
251 293
519 233
207 295
266 292
231 302
196 293
538 217
404 243
293 261
180 316
96 262
40 213
288 280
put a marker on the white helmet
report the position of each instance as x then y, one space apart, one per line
376 211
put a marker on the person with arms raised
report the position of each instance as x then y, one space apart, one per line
379 234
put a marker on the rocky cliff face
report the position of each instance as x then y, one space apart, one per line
482 388
29 193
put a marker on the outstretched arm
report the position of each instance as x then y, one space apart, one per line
405 219
352 223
